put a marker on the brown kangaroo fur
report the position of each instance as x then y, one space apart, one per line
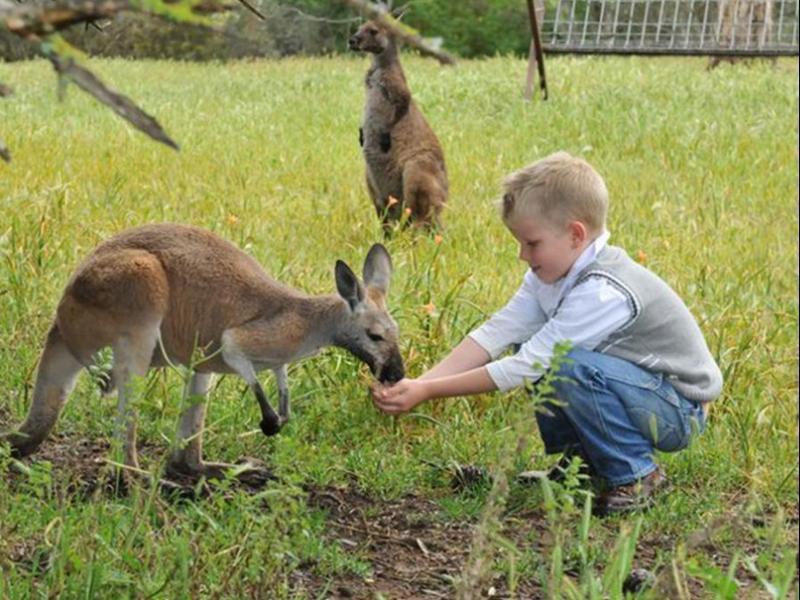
174 289
403 156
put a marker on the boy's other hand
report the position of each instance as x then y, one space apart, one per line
400 397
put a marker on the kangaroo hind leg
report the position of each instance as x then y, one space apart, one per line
117 298
187 457
424 195
132 354
55 378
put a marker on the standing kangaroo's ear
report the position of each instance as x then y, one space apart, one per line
378 268
399 12
348 285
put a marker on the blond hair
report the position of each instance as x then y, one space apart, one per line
558 188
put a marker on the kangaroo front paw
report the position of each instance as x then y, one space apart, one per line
270 427
385 141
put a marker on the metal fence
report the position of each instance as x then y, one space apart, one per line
706 27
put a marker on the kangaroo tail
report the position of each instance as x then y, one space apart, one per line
55 379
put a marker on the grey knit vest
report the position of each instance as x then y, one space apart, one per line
662 336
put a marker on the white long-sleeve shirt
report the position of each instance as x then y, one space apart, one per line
540 315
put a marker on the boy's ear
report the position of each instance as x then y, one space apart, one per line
578 233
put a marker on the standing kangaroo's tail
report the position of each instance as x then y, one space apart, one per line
55 379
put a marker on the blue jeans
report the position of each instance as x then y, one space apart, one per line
616 414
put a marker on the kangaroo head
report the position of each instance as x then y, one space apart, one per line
368 330
370 37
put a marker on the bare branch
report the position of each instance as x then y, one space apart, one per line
307 17
122 105
209 7
404 33
42 23
253 10
31 20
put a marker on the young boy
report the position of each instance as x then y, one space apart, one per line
639 375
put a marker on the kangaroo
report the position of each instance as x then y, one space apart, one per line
157 293
403 156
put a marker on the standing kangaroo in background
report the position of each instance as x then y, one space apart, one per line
173 289
403 156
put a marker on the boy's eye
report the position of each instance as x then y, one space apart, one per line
374 337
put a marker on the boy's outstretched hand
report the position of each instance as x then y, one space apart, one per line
400 397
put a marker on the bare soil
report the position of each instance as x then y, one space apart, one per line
411 550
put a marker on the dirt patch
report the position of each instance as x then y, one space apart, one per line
81 467
408 548
412 551
77 465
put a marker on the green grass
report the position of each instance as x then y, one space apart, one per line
702 168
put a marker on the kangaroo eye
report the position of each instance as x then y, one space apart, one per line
374 337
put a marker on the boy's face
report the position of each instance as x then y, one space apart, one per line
550 251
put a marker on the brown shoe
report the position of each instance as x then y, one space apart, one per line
638 495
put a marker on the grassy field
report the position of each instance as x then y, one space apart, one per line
702 168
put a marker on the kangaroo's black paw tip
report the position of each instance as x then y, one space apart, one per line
385 142
270 428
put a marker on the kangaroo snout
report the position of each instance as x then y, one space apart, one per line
392 371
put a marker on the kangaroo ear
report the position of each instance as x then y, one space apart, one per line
396 11
348 285
378 268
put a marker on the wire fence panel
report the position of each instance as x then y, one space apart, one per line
706 27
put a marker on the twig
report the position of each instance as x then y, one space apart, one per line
404 33
122 105
253 10
315 18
